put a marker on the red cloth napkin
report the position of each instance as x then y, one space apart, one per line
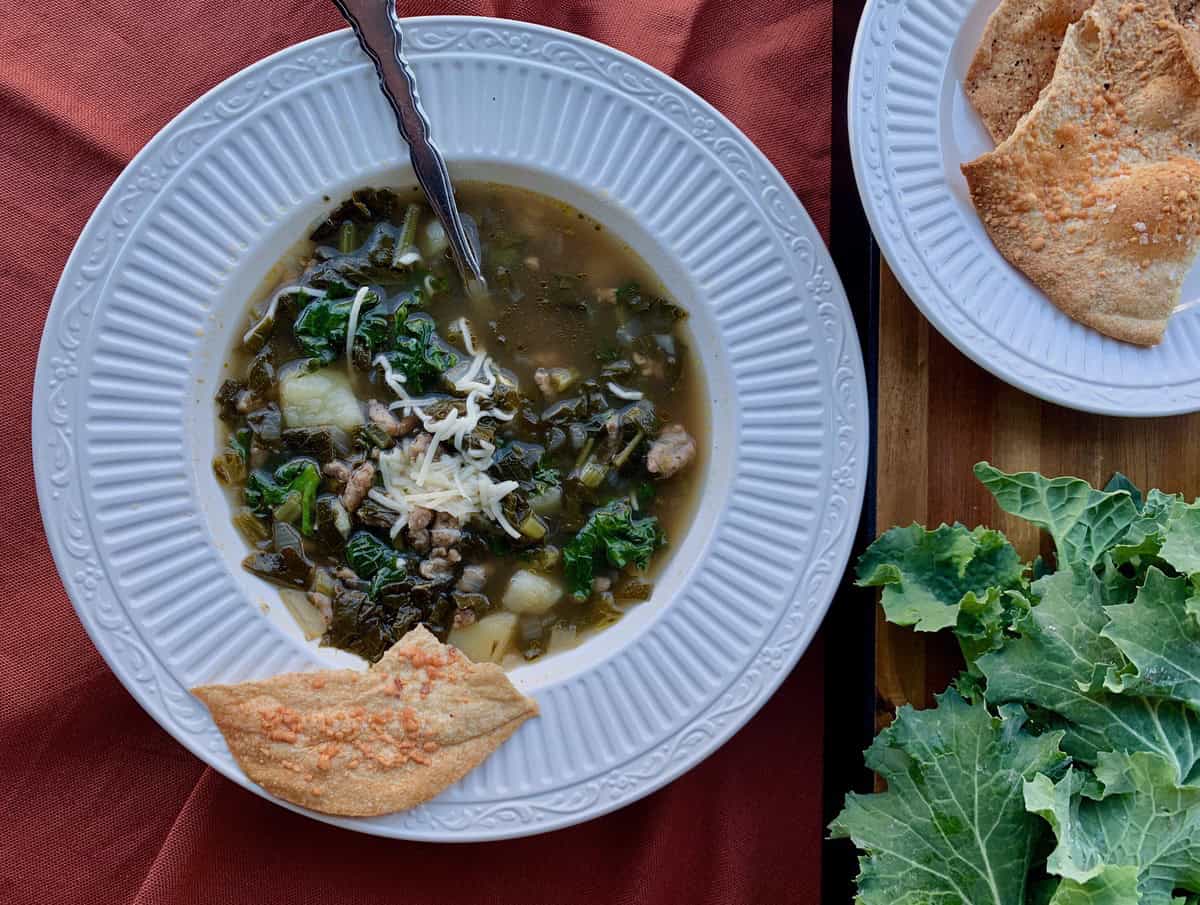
97 803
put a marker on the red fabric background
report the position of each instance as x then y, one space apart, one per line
97 803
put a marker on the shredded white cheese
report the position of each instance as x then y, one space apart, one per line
442 430
490 495
409 256
352 326
273 306
451 483
396 382
623 392
468 382
501 416
465 330
456 483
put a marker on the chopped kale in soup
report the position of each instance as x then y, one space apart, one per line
505 470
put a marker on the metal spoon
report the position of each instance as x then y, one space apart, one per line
378 31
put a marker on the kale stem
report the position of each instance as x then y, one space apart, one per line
346 238
592 474
408 229
623 456
407 254
585 452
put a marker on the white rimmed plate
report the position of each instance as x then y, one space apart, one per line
153 293
911 127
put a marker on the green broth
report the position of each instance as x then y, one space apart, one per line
574 326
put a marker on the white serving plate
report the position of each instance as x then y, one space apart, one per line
123 419
911 127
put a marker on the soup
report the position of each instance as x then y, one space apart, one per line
504 468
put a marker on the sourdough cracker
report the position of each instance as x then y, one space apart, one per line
1096 195
361 744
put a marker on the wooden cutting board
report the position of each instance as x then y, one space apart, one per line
939 414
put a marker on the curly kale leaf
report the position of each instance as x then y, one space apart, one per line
951 577
610 535
419 353
320 329
372 559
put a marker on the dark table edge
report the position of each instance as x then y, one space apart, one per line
849 628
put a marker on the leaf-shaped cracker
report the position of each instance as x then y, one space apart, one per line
1096 195
365 743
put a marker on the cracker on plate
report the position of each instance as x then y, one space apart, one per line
1096 194
360 744
1015 59
1016 55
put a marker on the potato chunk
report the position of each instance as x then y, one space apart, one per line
563 637
318 399
487 640
528 592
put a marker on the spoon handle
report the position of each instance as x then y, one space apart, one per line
378 31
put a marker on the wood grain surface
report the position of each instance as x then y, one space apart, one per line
939 413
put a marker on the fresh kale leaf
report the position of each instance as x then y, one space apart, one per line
952 826
1135 839
1159 634
1100 652
1063 664
1181 539
1084 522
1144 539
611 534
928 577
1120 482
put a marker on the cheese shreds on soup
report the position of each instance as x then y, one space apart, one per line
505 470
